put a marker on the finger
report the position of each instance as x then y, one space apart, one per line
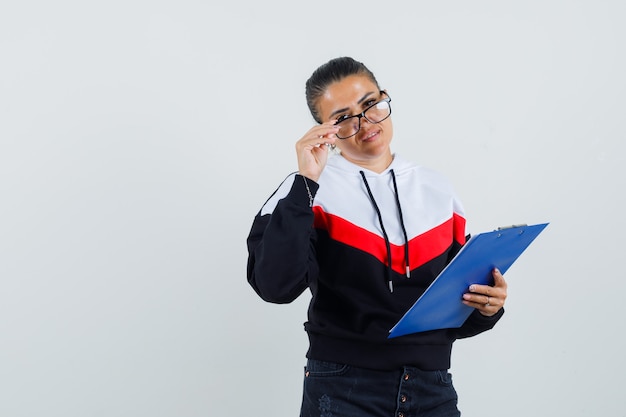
487 295
484 294
479 300
315 139
311 142
324 128
485 309
485 290
327 132
498 288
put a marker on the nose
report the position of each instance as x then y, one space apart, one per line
363 119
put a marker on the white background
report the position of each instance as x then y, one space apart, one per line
139 138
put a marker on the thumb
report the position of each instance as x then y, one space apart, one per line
498 278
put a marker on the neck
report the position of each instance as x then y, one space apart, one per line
376 165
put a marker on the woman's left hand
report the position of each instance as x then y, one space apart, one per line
485 298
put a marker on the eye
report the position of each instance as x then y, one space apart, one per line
342 118
369 103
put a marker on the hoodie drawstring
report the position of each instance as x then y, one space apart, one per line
406 238
382 227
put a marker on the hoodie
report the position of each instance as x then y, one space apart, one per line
366 245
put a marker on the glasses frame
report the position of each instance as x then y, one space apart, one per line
362 115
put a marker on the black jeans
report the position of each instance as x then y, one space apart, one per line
336 390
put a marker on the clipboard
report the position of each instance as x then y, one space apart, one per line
440 306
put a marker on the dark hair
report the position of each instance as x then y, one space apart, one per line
334 70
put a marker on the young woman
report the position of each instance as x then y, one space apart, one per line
366 232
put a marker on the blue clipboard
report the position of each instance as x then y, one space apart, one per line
440 306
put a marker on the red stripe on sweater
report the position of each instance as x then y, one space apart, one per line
422 248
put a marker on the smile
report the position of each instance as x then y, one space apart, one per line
370 135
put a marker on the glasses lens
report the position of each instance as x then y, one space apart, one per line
348 127
378 112
375 114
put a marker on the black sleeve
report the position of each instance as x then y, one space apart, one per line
477 323
281 250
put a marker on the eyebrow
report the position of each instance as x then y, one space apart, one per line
361 100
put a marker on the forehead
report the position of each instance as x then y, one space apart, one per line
346 94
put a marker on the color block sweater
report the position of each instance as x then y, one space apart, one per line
366 245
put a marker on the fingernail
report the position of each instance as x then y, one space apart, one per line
472 288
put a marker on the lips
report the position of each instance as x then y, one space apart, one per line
370 135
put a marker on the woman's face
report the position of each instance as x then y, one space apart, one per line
370 147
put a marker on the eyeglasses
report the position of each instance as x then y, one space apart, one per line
375 113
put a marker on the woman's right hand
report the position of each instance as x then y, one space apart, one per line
313 148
